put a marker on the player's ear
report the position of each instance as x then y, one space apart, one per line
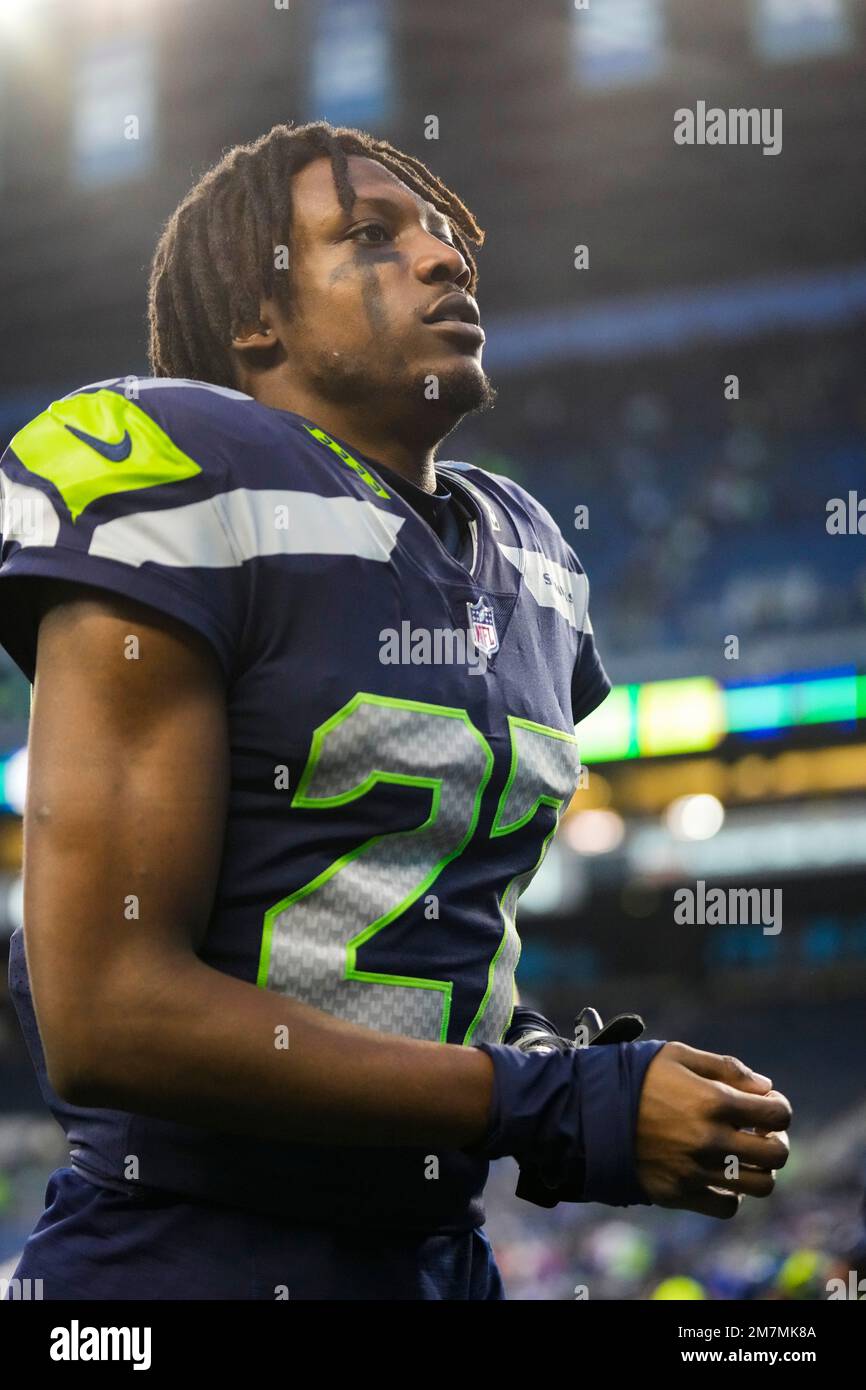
254 338
259 335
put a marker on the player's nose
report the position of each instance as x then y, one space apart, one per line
439 263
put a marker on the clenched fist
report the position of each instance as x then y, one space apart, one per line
696 1112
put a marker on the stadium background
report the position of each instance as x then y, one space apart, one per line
706 514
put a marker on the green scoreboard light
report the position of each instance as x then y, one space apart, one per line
661 718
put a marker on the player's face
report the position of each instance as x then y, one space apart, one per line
365 289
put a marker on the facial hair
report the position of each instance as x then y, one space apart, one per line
381 382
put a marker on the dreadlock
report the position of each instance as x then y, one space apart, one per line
215 258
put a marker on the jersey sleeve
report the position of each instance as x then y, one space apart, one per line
590 683
125 495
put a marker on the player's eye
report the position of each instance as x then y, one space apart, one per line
369 227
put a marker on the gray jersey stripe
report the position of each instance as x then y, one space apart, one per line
232 527
552 585
151 383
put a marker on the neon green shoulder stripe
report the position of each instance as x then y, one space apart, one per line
124 449
350 461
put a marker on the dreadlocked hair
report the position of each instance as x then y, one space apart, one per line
215 259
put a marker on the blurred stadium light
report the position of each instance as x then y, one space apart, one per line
786 29
618 43
13 782
352 71
115 98
696 817
19 18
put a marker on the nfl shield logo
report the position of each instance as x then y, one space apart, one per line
482 627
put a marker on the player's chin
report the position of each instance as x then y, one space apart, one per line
459 385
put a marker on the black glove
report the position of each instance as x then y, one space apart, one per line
530 1031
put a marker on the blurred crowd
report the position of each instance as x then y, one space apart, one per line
791 1246
705 508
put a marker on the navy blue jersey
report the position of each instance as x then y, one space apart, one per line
401 735
93 1242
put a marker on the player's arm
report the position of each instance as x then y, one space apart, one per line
126 813
124 827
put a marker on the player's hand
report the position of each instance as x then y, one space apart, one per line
696 1109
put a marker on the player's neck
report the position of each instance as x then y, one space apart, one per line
411 460
381 441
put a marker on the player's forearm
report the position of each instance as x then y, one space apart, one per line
202 1047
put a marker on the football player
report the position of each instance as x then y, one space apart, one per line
303 722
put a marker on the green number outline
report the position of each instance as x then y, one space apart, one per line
556 802
301 799
499 828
